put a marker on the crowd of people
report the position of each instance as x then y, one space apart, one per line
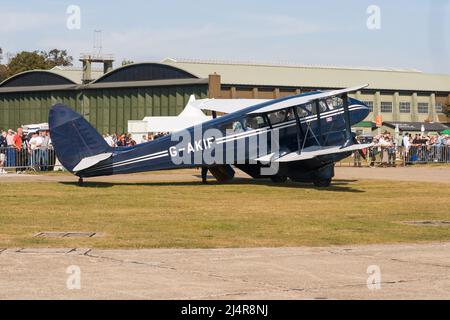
126 140
408 148
20 150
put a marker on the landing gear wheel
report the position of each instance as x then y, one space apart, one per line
322 183
278 179
80 182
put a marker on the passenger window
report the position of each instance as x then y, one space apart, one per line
322 106
254 122
232 127
277 116
311 108
290 114
330 103
237 127
301 111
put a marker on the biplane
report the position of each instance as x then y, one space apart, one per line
299 137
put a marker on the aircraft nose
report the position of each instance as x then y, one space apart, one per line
360 111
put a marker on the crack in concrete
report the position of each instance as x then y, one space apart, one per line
196 272
421 263
89 254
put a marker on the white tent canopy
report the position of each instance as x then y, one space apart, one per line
189 117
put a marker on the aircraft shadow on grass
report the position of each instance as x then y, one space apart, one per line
339 185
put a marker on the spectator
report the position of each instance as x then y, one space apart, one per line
3 145
109 140
35 145
3 142
44 150
130 141
17 145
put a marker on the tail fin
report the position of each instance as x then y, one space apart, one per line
74 139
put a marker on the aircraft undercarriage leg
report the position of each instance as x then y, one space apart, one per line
80 181
204 175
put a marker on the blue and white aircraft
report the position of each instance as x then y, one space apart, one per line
300 137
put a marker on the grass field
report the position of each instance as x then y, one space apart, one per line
242 214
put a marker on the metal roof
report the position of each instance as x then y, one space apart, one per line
261 74
416 126
76 74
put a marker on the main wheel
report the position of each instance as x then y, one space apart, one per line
278 179
322 183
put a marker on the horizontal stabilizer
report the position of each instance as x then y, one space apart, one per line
315 151
88 162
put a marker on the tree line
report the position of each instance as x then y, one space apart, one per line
32 60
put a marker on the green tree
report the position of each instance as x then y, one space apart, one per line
57 57
126 62
4 72
25 61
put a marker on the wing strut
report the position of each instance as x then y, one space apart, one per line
348 128
299 131
319 122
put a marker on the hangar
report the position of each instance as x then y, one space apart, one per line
138 90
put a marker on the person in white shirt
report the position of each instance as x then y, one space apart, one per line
109 140
35 144
406 142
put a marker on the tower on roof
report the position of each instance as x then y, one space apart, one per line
96 56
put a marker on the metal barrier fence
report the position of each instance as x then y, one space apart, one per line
37 160
393 156
428 154
45 159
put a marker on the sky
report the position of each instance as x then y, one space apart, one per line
411 34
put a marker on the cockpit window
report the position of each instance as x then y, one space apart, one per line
336 102
254 122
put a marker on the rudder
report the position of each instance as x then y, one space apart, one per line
73 137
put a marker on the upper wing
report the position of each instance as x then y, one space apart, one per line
226 105
305 99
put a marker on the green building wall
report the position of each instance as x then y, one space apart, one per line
108 110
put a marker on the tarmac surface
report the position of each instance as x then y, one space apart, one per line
406 271
401 271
